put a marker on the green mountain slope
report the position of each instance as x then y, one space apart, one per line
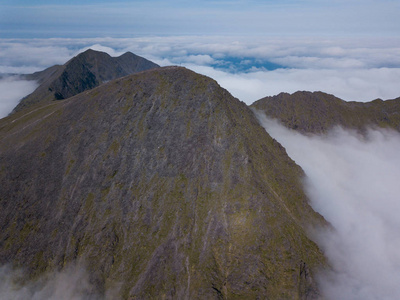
164 186
318 112
83 72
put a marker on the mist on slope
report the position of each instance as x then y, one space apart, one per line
72 283
12 90
353 181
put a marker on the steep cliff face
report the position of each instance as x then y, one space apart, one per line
83 72
164 185
318 112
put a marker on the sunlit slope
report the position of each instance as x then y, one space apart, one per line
318 112
83 72
164 186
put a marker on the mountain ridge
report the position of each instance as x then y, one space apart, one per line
318 112
165 185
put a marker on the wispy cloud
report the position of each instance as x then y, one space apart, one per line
70 283
13 89
353 183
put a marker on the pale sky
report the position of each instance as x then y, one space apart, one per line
32 19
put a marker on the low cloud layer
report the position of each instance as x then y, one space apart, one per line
12 90
72 283
250 68
350 85
353 182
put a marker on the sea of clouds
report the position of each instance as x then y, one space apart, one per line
361 69
353 181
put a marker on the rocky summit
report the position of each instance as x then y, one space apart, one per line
163 186
83 72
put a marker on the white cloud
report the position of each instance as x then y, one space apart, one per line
72 283
200 59
358 69
306 62
350 84
17 56
353 183
13 89
367 52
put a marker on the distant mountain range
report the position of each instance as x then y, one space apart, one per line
161 183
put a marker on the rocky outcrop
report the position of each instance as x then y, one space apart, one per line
164 185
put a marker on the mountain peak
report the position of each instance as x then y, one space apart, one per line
128 54
165 184
90 53
85 71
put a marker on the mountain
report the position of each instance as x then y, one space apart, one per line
318 112
162 185
83 72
